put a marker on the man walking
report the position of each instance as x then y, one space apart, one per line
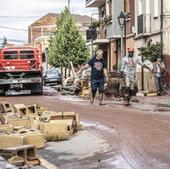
128 71
98 71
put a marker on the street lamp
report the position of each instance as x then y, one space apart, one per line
121 19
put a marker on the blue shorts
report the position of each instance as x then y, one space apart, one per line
97 84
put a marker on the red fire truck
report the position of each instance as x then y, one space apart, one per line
20 70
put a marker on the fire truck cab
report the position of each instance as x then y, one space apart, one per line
20 70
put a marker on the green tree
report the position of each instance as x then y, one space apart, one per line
151 52
66 43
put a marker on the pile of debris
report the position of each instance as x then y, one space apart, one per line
25 128
75 86
81 87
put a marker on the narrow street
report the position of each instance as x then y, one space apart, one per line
120 48
115 137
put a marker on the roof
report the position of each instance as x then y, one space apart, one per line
50 19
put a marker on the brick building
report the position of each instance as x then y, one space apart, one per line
39 31
109 37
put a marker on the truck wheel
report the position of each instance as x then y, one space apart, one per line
2 93
37 89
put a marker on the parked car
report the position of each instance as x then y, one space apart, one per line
52 76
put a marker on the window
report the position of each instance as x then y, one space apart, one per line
102 11
52 72
10 55
27 54
156 8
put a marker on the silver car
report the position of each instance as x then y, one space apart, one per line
52 76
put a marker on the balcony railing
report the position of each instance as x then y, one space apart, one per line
144 24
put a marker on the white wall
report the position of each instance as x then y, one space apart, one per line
166 25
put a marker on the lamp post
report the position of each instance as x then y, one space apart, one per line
121 19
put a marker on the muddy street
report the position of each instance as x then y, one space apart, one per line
115 137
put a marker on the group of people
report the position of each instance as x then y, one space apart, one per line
128 71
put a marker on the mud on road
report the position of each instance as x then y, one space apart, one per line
134 138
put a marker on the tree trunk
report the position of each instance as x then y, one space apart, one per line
62 77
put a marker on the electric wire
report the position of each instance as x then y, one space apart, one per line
25 30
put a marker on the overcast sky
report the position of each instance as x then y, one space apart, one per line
20 14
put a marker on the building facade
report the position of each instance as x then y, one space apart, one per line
147 22
109 29
39 32
152 24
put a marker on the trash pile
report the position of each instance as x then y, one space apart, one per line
25 128
76 86
81 87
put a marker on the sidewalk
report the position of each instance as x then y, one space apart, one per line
144 103
152 103
165 99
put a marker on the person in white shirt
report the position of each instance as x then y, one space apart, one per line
128 71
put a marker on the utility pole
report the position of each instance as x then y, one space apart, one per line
121 19
69 5
70 64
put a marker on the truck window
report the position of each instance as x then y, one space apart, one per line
10 54
27 54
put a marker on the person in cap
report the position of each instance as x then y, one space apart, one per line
128 72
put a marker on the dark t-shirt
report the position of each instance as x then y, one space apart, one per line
97 67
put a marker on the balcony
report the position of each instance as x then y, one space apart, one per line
144 24
95 3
